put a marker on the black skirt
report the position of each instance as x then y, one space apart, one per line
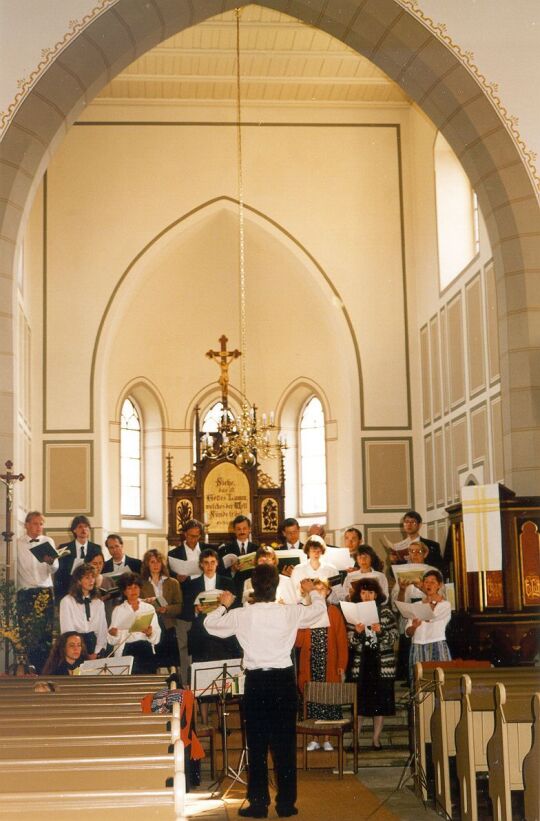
375 694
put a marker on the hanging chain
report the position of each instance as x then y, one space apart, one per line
241 248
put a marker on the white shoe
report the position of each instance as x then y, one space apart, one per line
327 746
313 745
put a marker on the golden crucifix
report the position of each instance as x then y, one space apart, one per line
224 358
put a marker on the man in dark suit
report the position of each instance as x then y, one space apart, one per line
81 550
119 561
412 522
238 546
190 550
290 534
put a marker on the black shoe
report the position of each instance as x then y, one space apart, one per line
286 812
376 747
253 812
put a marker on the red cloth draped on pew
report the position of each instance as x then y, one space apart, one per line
162 702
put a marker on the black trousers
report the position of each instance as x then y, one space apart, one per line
35 612
144 660
270 707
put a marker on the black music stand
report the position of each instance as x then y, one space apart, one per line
220 685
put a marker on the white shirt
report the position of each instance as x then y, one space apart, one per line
73 617
306 571
266 631
435 630
209 584
193 556
77 560
124 636
30 571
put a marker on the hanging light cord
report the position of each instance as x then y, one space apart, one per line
240 213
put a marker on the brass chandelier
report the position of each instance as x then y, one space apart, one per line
241 439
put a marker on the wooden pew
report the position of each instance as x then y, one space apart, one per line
446 715
126 754
424 702
475 733
507 750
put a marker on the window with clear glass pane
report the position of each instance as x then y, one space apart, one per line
312 459
213 417
130 461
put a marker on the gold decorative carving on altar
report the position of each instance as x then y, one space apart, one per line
226 495
187 482
494 588
269 515
264 480
183 513
529 540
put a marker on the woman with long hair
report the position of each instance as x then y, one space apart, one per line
164 593
68 652
83 611
372 662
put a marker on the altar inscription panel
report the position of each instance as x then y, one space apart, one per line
226 495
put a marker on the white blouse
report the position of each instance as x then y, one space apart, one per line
73 617
435 630
122 615
307 571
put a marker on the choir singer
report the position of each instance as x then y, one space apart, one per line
266 631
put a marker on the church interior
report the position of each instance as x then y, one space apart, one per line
325 188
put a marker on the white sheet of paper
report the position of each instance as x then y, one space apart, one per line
120 666
410 568
184 568
338 557
364 612
417 610
229 559
286 592
208 595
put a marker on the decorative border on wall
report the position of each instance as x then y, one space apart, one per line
88 508
48 55
407 444
491 89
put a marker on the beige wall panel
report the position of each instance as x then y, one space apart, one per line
479 439
492 324
428 462
448 462
374 535
131 545
158 543
388 474
456 374
441 532
476 338
68 478
435 367
444 361
424 365
438 448
460 452
431 531
497 440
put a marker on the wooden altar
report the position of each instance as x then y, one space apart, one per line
217 490
499 610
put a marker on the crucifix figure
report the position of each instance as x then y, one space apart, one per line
224 358
8 478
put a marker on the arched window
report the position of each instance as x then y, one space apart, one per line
212 418
312 459
457 214
130 460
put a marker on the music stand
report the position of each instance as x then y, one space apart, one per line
221 679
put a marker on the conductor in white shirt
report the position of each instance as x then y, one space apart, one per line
266 632
35 581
